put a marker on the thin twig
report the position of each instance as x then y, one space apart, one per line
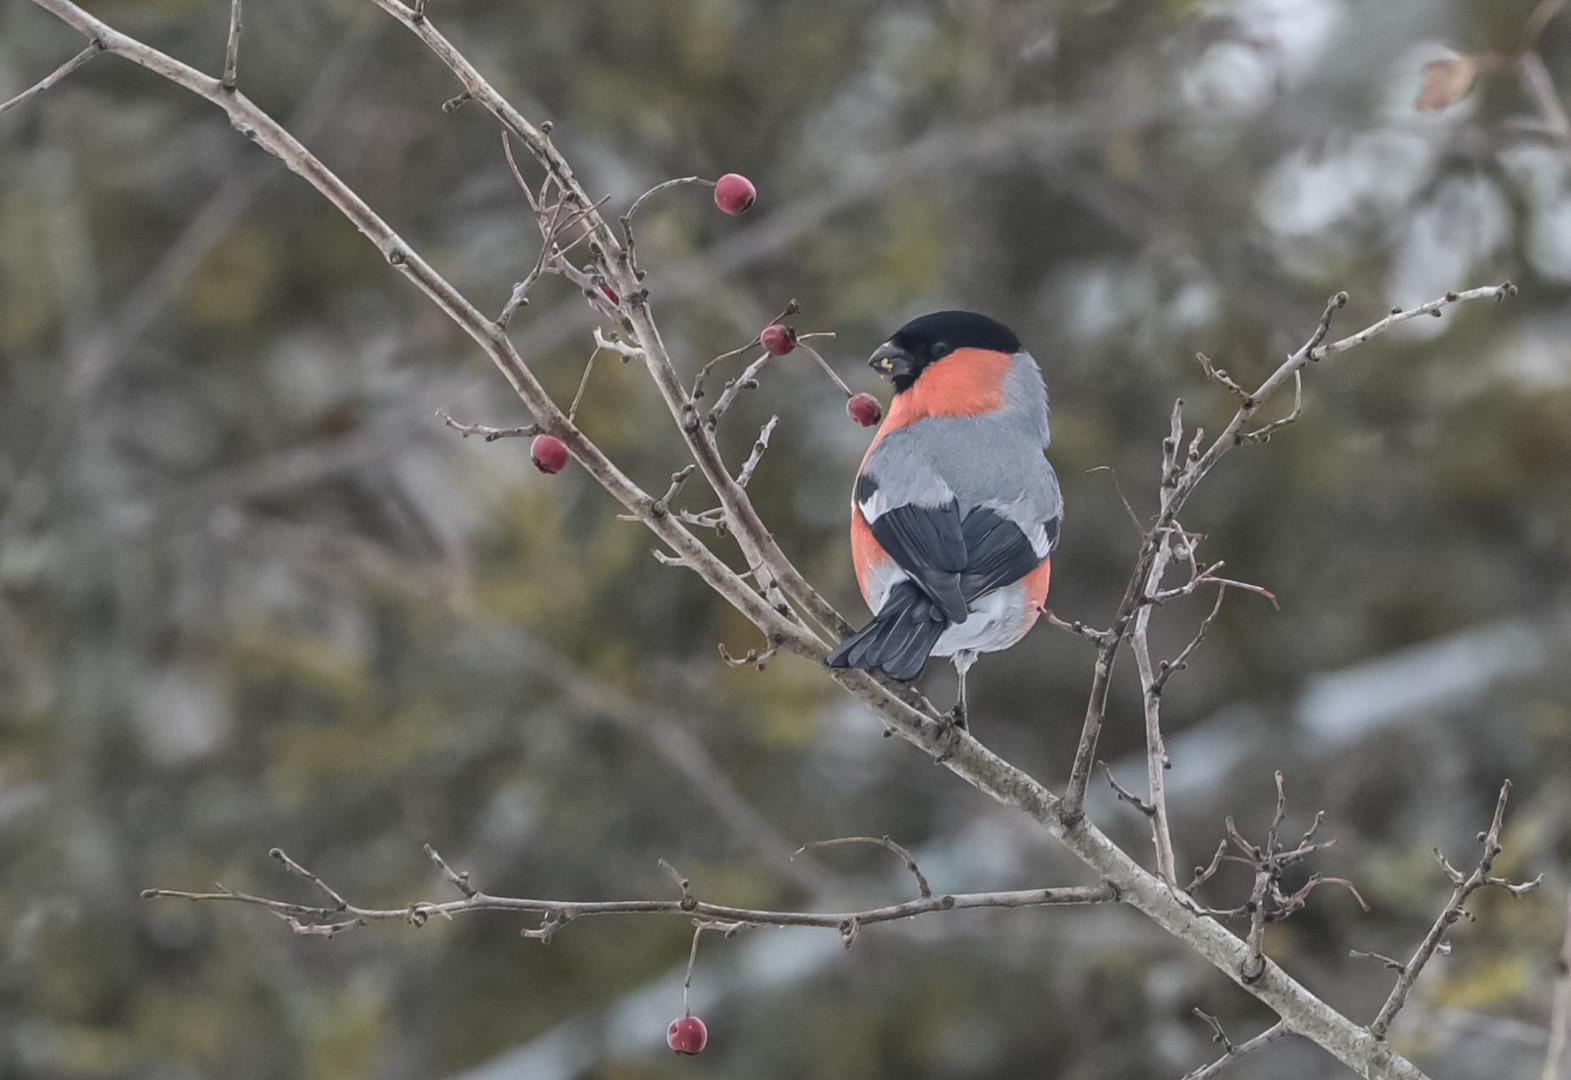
1096 637
748 380
1123 793
232 49
314 919
1385 961
1454 910
760 444
490 434
626 219
94 47
295 868
883 842
460 881
1557 1059
1175 494
838 381
1231 1052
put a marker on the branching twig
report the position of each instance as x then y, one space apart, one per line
773 575
1180 482
460 881
745 476
315 919
94 47
490 434
1464 887
748 380
1231 1051
1124 794
295 868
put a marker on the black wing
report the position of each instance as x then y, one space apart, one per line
998 552
929 544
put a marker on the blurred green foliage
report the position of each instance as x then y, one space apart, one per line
252 593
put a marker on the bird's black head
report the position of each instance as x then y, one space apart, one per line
924 340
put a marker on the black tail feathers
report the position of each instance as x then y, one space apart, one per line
899 638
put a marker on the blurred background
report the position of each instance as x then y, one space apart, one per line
254 593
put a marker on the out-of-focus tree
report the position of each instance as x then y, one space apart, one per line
253 594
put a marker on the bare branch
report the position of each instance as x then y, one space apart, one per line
760 444
626 220
232 49
311 919
748 380
881 841
490 434
460 881
1557 1059
94 47
1180 483
1231 1052
1385 961
902 710
1096 637
1220 377
1454 910
295 868
1123 793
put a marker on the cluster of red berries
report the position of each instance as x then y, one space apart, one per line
779 339
734 194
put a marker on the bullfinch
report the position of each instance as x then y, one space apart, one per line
955 511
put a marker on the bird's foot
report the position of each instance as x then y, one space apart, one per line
957 716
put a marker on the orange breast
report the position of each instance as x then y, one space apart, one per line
1036 583
967 382
866 553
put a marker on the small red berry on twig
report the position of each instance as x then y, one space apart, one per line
864 409
687 1035
734 193
778 339
548 453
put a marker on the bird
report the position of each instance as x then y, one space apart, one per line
955 511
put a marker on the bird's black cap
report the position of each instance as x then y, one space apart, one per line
932 337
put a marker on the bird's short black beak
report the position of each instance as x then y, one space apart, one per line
892 362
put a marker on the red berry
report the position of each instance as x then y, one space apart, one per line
687 1035
864 409
734 193
610 294
778 339
548 453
